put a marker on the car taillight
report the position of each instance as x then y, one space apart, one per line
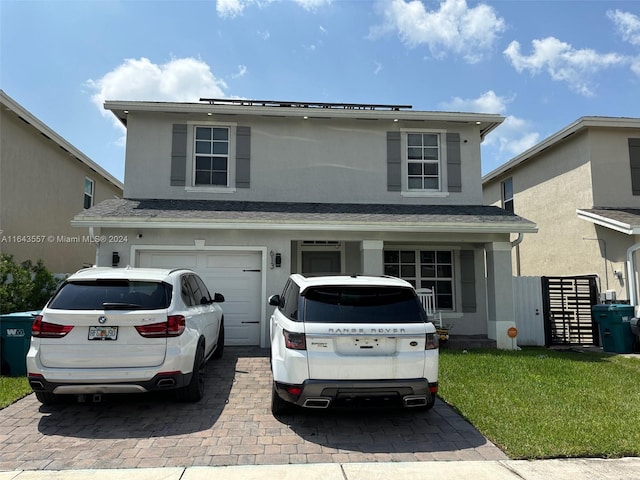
432 341
42 329
173 327
294 340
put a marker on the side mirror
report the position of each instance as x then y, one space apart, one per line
218 297
274 300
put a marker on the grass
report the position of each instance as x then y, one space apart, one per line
539 403
13 389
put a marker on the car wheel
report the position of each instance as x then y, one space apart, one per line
47 398
195 390
278 405
220 346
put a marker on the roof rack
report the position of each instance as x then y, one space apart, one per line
276 103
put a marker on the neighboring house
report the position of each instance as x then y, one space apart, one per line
582 188
246 192
44 182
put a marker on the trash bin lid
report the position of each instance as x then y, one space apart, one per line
20 315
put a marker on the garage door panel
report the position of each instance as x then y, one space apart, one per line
170 260
232 261
236 275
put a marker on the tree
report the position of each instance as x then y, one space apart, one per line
24 286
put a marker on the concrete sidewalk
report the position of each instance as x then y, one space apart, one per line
565 469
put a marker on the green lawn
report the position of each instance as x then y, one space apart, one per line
539 403
12 389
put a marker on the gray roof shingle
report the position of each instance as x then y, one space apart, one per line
211 211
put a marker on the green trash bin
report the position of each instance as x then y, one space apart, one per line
15 339
615 328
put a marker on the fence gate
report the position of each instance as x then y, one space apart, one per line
567 310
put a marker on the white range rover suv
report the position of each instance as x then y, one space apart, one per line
125 330
351 341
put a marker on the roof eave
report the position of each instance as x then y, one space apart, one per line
486 121
157 223
580 124
28 117
621 227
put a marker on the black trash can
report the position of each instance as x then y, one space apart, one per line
615 327
15 338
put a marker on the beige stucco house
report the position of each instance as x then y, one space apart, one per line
44 182
582 188
247 192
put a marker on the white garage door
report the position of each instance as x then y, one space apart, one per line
237 275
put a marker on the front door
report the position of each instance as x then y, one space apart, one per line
320 262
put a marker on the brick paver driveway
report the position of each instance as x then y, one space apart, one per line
232 425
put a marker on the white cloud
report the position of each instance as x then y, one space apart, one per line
454 27
242 71
230 8
235 8
378 68
512 137
179 80
627 24
563 62
488 102
313 5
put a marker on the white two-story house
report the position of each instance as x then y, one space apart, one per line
247 192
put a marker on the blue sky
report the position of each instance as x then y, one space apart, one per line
541 64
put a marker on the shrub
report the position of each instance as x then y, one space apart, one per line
25 286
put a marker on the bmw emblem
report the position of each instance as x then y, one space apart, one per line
102 319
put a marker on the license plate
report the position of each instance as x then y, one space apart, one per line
103 333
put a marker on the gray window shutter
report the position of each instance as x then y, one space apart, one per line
243 157
179 155
634 159
468 281
454 163
394 159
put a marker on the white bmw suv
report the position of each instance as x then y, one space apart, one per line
351 341
125 330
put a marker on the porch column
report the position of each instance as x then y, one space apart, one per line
371 257
500 309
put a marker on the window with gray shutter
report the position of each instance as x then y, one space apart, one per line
634 160
394 162
467 281
454 163
243 157
178 155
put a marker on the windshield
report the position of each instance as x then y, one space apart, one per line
342 304
112 294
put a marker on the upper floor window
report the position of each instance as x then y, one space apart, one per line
423 161
211 156
89 186
507 194
424 269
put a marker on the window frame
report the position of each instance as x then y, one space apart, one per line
89 195
417 279
191 185
507 201
441 162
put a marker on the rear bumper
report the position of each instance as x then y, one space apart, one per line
359 393
160 381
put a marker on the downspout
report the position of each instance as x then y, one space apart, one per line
515 244
631 274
